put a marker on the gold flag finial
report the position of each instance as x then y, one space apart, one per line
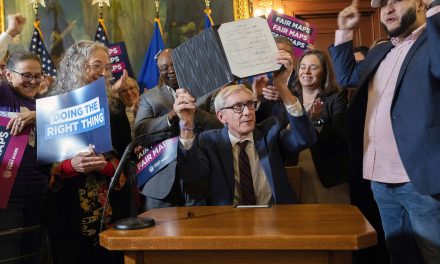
157 5
101 5
207 9
35 4
101 2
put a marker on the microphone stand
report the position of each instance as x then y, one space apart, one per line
133 222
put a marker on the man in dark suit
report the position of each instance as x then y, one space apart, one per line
394 122
157 111
243 163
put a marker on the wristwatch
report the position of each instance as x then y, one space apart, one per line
319 123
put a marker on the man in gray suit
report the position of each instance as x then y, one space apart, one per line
157 112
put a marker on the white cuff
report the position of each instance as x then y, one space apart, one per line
295 109
187 143
342 36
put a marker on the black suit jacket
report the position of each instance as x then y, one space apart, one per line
330 153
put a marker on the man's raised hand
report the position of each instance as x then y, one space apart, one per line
349 17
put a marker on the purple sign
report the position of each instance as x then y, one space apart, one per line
11 151
119 59
153 160
299 32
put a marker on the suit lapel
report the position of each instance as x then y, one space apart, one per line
406 61
261 146
167 96
372 63
226 157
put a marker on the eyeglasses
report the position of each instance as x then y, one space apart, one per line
28 77
239 107
100 67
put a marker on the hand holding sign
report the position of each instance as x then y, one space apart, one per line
349 17
88 161
18 123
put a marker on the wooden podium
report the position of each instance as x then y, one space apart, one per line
223 234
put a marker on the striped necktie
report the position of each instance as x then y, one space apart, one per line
246 183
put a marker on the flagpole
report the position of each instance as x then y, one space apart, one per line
37 20
208 13
101 9
37 43
35 6
157 5
157 19
101 33
149 74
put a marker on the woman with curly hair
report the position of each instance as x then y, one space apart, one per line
79 186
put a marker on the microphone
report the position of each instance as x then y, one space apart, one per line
127 153
133 222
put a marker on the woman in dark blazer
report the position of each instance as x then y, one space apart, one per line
324 166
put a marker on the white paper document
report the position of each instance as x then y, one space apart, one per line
249 47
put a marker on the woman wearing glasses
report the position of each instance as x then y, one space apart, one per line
17 94
79 186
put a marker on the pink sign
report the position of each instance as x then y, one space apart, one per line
299 32
11 152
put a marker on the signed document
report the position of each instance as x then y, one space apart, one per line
249 47
221 54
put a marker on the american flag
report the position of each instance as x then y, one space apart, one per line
101 33
37 46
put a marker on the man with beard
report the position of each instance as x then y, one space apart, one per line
157 112
393 122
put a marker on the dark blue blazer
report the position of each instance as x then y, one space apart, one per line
207 167
415 109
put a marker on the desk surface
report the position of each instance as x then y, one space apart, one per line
281 227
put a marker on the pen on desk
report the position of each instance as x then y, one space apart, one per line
253 206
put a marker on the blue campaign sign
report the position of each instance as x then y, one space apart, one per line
68 123
155 159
